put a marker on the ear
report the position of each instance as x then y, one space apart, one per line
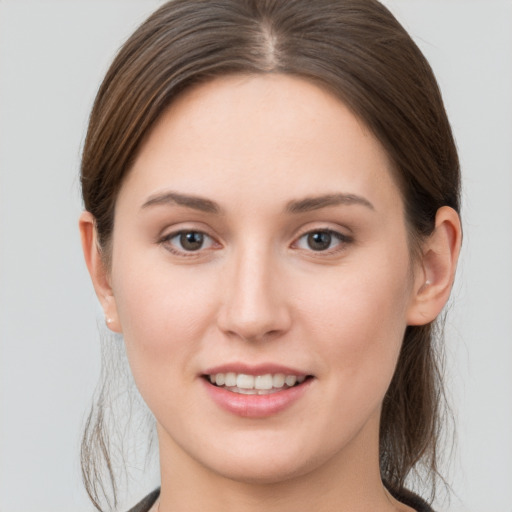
97 269
436 270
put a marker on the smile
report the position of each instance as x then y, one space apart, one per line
255 384
256 391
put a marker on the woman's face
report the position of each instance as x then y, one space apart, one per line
260 241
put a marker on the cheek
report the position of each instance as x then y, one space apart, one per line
164 320
358 321
164 314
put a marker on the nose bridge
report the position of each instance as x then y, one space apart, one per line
254 305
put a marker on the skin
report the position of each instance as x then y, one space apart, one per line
256 292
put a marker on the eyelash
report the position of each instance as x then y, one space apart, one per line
166 241
342 239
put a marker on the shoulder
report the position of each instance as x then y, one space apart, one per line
145 504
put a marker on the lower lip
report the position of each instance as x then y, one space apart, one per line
256 406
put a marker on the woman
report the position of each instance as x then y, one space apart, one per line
271 193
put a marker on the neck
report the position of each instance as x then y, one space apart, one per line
348 481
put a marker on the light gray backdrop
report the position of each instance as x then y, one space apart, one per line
52 57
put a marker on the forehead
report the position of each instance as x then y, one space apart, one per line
265 133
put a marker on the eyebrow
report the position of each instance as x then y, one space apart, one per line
296 206
195 202
315 203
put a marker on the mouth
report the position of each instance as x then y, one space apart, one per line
264 384
256 391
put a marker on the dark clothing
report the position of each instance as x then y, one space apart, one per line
147 502
411 500
406 497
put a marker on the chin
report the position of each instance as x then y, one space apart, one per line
263 472
266 461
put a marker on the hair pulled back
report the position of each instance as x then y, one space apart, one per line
356 50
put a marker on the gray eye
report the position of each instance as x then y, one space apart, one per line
182 242
191 240
322 240
319 241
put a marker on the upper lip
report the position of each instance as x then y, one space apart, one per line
251 369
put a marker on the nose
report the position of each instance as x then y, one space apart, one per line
255 306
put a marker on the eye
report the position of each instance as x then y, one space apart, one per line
322 240
187 241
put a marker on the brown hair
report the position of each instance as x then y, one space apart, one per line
358 51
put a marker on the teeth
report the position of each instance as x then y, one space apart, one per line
290 380
252 385
247 391
243 381
263 381
278 380
230 379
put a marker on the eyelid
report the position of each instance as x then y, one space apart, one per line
165 241
342 238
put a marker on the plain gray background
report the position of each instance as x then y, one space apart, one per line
52 57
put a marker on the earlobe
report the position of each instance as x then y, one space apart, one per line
433 283
97 270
